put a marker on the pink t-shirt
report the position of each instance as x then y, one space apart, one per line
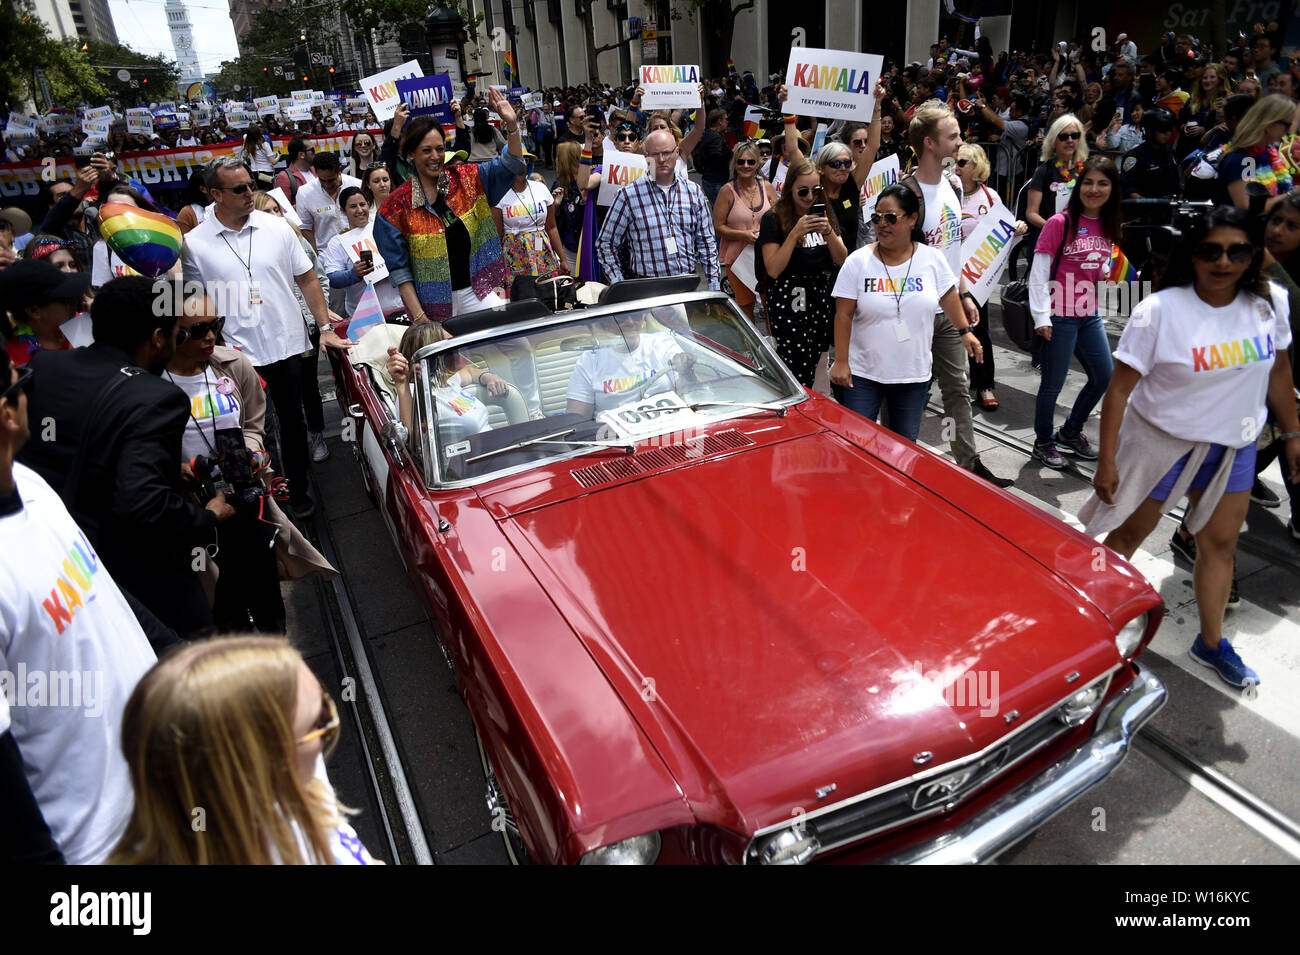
1085 261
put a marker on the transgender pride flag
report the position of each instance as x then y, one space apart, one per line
368 314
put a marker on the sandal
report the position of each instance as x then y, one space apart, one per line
988 400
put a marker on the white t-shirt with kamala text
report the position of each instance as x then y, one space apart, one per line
525 211
1204 370
942 225
210 412
893 322
606 377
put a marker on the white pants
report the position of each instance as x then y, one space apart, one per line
466 300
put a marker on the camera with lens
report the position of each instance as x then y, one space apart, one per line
230 470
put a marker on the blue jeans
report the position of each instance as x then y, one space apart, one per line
711 190
1086 339
906 403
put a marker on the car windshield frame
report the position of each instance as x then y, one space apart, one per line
423 380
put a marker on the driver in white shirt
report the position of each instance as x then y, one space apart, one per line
611 376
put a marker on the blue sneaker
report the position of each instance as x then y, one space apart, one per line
1224 661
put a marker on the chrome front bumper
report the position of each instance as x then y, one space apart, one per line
1020 812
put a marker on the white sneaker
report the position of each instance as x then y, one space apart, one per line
319 449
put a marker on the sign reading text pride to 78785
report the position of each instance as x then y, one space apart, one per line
832 83
666 86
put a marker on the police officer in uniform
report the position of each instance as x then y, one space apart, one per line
1150 171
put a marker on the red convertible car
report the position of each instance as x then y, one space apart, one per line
702 615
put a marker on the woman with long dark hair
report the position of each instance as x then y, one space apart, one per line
1196 370
486 140
1073 255
796 255
256 153
362 153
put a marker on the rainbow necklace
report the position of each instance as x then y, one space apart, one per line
1270 168
1069 171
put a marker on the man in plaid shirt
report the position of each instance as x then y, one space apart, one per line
665 220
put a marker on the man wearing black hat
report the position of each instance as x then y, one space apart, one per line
1150 170
107 437
38 299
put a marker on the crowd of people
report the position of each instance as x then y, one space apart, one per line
154 461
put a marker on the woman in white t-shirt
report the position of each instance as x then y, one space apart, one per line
237 726
886 296
256 153
525 219
1194 369
353 276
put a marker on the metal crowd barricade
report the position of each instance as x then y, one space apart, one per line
1019 168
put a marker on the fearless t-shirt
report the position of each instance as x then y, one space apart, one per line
893 321
1085 261
1205 370
606 377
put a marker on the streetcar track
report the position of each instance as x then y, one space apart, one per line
1278 556
394 794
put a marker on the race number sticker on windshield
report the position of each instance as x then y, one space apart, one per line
457 449
650 415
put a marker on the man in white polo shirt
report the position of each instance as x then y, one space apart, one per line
247 262
318 201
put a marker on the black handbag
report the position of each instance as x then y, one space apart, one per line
1017 320
559 293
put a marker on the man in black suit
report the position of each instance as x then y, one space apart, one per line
106 434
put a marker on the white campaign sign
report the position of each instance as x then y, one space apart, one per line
834 83
743 268
381 88
670 87
139 125
357 239
988 250
267 105
618 170
883 173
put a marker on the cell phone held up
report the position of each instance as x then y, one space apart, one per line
817 209
367 258
814 239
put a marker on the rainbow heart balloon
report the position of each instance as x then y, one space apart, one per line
148 242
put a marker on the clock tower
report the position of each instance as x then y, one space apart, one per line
178 21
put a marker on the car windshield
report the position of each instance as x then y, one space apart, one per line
594 384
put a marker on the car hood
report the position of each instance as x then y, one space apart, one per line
801 615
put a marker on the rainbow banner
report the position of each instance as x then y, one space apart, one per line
1120 269
148 242
511 70
156 169
366 315
731 68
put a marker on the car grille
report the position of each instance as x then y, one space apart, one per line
856 820
657 458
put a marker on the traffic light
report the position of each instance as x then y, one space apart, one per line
266 69
144 80
331 69
303 36
306 79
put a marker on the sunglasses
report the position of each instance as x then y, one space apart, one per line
23 384
327 725
626 138
377 165
238 190
746 162
961 163
1238 253
803 193
890 217
860 143
839 164
1074 135
199 330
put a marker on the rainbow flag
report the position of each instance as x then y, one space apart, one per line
1120 268
368 314
731 67
510 69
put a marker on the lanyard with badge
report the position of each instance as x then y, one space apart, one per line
254 286
900 326
670 243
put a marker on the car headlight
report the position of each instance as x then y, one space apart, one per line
639 850
1130 635
1083 704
